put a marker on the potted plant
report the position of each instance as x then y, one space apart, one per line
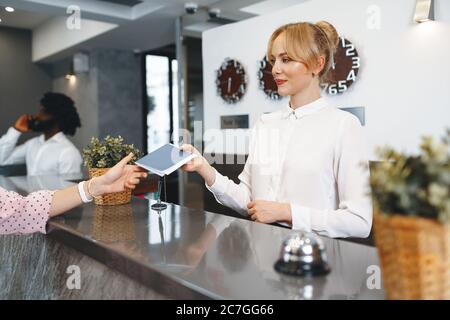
411 196
100 156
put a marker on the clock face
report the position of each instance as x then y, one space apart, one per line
266 81
345 69
231 81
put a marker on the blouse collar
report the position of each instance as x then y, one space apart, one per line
307 109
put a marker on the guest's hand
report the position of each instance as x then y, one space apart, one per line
22 123
118 178
269 211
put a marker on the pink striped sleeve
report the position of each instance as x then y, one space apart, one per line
22 215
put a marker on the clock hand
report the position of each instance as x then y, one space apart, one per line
229 85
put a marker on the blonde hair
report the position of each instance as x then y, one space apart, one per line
306 42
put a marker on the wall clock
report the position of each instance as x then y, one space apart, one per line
231 81
345 69
266 81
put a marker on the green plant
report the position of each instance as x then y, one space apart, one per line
417 185
107 152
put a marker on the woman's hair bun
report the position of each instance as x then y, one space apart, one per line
331 33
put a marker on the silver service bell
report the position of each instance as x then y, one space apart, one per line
302 255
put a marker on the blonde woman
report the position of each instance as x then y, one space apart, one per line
23 215
306 166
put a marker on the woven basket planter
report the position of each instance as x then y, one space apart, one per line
109 199
415 256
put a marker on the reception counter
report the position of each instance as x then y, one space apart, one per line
133 252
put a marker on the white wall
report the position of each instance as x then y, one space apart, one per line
84 91
53 35
403 82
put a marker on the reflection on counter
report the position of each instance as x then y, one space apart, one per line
113 223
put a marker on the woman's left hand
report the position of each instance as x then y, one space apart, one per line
118 178
269 211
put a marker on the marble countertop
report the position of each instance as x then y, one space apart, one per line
187 253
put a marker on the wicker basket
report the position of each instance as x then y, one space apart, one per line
113 223
415 257
109 199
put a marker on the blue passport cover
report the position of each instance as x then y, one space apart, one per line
163 158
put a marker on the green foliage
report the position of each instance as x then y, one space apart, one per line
414 185
108 152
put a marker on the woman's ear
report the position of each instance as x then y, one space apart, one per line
320 65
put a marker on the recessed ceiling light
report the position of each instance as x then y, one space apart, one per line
9 9
424 11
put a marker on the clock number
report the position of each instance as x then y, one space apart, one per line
351 75
350 50
355 62
342 86
332 89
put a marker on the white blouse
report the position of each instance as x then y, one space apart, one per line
313 158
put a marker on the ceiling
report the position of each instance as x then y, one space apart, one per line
142 24
128 3
22 19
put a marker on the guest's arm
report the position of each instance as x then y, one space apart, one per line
118 178
22 215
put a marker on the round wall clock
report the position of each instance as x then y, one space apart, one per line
345 69
266 81
231 81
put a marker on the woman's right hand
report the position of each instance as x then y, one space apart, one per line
195 164
199 164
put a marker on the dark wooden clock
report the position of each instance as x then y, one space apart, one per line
231 81
266 81
345 69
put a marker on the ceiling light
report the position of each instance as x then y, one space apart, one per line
424 11
9 9
70 75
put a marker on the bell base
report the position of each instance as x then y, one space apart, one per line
159 206
301 270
